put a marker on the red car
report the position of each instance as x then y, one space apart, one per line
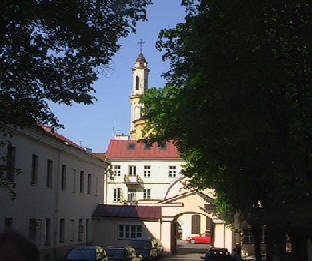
204 238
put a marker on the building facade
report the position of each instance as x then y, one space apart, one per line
150 175
140 172
58 189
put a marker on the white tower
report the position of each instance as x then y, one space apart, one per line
139 85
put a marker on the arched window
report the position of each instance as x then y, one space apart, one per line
137 82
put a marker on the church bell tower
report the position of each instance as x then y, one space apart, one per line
139 86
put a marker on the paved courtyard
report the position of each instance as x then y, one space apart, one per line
186 251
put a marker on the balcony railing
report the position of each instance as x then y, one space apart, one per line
133 180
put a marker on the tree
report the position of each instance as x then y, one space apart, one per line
54 50
238 106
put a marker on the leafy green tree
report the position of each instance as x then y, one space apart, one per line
54 51
238 105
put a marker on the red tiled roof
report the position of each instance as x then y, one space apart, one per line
127 211
121 149
101 156
51 131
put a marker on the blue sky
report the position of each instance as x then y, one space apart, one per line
93 125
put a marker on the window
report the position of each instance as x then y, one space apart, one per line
8 223
47 240
72 228
34 169
147 146
163 146
116 170
209 224
130 231
96 185
131 146
32 229
147 171
74 181
89 184
11 163
63 184
137 82
80 230
81 181
62 230
49 173
35 230
248 237
117 194
131 195
172 171
147 194
87 230
196 224
132 170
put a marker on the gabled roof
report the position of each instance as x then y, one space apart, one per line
124 211
185 194
50 131
99 155
132 149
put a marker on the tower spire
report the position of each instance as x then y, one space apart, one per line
139 86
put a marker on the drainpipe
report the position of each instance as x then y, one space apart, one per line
105 187
106 172
56 205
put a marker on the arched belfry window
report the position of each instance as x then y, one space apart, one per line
137 82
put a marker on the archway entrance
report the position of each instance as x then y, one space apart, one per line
191 233
192 211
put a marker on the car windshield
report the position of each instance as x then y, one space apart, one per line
141 244
116 252
81 254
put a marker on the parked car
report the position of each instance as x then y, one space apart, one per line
150 249
214 254
204 238
122 254
91 253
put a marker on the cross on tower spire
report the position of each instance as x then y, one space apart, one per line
141 45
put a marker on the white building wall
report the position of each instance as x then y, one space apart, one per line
158 182
36 201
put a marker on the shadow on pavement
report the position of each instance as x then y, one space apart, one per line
187 251
184 247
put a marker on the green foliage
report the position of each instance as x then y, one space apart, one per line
54 50
238 103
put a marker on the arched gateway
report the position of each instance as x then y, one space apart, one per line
180 205
117 225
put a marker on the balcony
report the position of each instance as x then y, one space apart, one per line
133 180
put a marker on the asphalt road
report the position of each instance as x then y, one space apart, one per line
187 251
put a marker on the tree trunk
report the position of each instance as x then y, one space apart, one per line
300 246
257 239
280 245
269 244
